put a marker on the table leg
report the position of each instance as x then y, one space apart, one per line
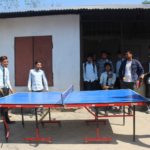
22 117
97 138
50 120
38 138
123 115
134 123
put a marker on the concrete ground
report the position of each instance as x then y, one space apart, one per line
70 135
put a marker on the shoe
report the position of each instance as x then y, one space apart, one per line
148 111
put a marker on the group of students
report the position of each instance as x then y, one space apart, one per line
97 74
37 82
128 73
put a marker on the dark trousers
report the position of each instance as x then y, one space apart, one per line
4 111
88 86
117 83
128 85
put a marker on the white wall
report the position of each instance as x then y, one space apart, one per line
66 45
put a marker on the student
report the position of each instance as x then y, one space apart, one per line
107 80
120 59
37 81
90 74
131 73
101 62
5 86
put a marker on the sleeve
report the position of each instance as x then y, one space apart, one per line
29 81
114 78
140 69
120 71
84 72
8 80
45 81
96 75
101 79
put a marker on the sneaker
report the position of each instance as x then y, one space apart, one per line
148 111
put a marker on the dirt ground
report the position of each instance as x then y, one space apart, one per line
74 129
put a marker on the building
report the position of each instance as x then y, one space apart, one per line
62 37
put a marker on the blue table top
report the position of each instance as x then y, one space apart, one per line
33 98
82 97
104 96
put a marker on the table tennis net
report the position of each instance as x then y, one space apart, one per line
66 93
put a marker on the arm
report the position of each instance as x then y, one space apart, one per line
140 70
45 81
96 75
8 81
113 79
120 71
102 82
29 81
84 72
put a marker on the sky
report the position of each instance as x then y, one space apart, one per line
94 2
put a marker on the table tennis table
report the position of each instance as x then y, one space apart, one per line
69 99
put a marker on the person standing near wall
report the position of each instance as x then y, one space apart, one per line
90 74
131 73
101 63
107 80
5 86
119 61
37 80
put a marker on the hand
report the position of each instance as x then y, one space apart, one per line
105 87
11 91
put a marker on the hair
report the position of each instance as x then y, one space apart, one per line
108 64
2 58
129 51
104 52
119 52
36 62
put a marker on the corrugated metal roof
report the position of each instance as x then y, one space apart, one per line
39 10
18 7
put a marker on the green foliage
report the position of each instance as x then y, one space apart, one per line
146 2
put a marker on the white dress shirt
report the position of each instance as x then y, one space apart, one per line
111 79
128 75
89 72
4 79
37 80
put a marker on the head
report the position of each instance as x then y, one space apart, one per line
119 55
128 55
4 61
104 55
107 67
94 57
89 58
38 65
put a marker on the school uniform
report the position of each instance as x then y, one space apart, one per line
37 81
90 76
108 79
5 87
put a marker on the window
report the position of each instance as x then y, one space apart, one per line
27 51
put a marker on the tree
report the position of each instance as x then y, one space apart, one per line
146 2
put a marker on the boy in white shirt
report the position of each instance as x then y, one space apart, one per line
37 81
90 74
